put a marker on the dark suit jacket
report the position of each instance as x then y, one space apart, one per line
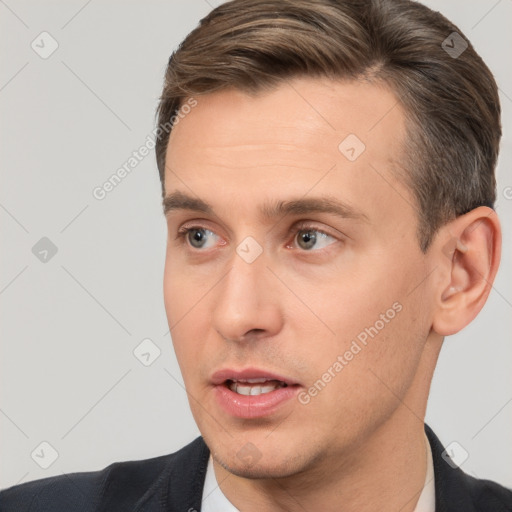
175 483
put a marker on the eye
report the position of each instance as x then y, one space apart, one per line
313 239
199 238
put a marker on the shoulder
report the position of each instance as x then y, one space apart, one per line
489 496
74 491
120 486
455 490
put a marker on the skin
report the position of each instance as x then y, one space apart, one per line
359 443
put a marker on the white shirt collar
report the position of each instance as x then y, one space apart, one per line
427 499
214 499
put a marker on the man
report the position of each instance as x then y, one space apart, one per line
329 209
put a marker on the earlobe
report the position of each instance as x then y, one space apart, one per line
468 252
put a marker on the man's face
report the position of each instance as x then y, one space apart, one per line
305 270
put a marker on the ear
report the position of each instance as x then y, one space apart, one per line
467 251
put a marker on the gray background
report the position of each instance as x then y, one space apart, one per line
69 325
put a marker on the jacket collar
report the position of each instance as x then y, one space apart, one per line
453 486
185 480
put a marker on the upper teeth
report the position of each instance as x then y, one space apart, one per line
249 389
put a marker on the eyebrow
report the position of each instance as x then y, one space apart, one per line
302 206
271 210
181 201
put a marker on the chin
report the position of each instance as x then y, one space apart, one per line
265 468
270 462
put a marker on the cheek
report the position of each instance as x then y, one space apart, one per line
174 288
185 312
173 285
184 287
378 325
356 384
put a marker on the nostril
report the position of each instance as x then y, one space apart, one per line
255 331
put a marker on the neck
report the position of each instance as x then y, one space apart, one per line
386 473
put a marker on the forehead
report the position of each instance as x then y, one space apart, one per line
336 136
297 112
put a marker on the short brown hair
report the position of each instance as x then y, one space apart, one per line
451 101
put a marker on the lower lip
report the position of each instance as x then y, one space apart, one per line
253 406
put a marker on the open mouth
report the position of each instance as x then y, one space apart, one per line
254 387
252 392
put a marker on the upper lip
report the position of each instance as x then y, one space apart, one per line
221 376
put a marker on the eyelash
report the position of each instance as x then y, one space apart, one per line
183 231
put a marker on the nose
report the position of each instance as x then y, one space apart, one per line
247 303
